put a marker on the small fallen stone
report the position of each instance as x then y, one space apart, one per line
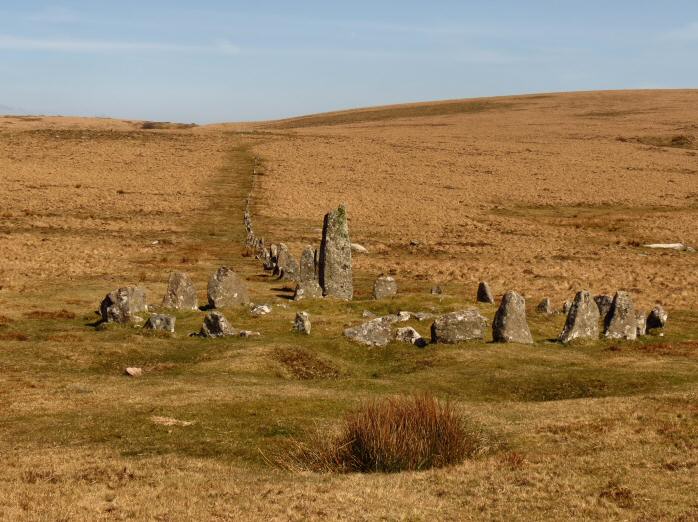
302 323
358 249
260 310
368 315
484 293
657 318
216 325
169 421
424 316
671 246
410 335
249 333
466 325
404 316
436 290
134 372
372 333
160 322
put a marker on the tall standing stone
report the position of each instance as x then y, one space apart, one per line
657 318
510 325
335 256
180 293
582 319
484 293
621 320
226 288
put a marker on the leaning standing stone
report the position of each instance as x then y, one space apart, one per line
484 294
302 323
122 305
582 319
657 318
466 325
509 325
385 286
335 256
621 321
216 325
180 293
225 288
160 322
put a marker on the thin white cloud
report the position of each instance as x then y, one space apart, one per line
8 42
686 33
55 15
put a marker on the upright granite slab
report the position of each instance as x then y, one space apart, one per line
226 288
621 320
582 319
180 293
335 256
122 305
510 325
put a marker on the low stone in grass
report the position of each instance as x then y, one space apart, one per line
160 322
509 325
122 305
436 290
545 307
302 323
216 325
410 335
260 310
582 319
621 321
226 288
657 318
466 325
133 372
484 293
384 286
376 332
641 323
180 293
307 289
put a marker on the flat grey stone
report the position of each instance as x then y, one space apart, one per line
122 305
466 325
160 322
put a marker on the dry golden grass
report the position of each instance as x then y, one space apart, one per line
534 193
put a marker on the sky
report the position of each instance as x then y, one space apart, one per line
212 60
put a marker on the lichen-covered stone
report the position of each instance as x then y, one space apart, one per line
410 335
122 305
510 325
308 268
641 323
376 332
160 322
384 286
216 325
657 318
226 288
302 323
621 320
466 325
286 265
484 293
307 289
582 319
335 256
180 293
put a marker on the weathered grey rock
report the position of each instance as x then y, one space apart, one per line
335 256
216 325
161 322
641 323
302 323
286 265
260 310
410 335
604 303
484 294
271 257
509 325
307 289
424 316
384 286
436 290
466 325
582 319
134 372
621 320
248 333
226 288
358 249
122 305
567 306
180 293
545 307
308 267
657 318
375 332
367 314
403 316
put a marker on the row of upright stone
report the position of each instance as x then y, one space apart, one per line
323 272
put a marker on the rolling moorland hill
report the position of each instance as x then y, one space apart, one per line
545 194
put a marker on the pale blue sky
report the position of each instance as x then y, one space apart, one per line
228 61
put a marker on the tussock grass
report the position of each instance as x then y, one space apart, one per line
402 433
